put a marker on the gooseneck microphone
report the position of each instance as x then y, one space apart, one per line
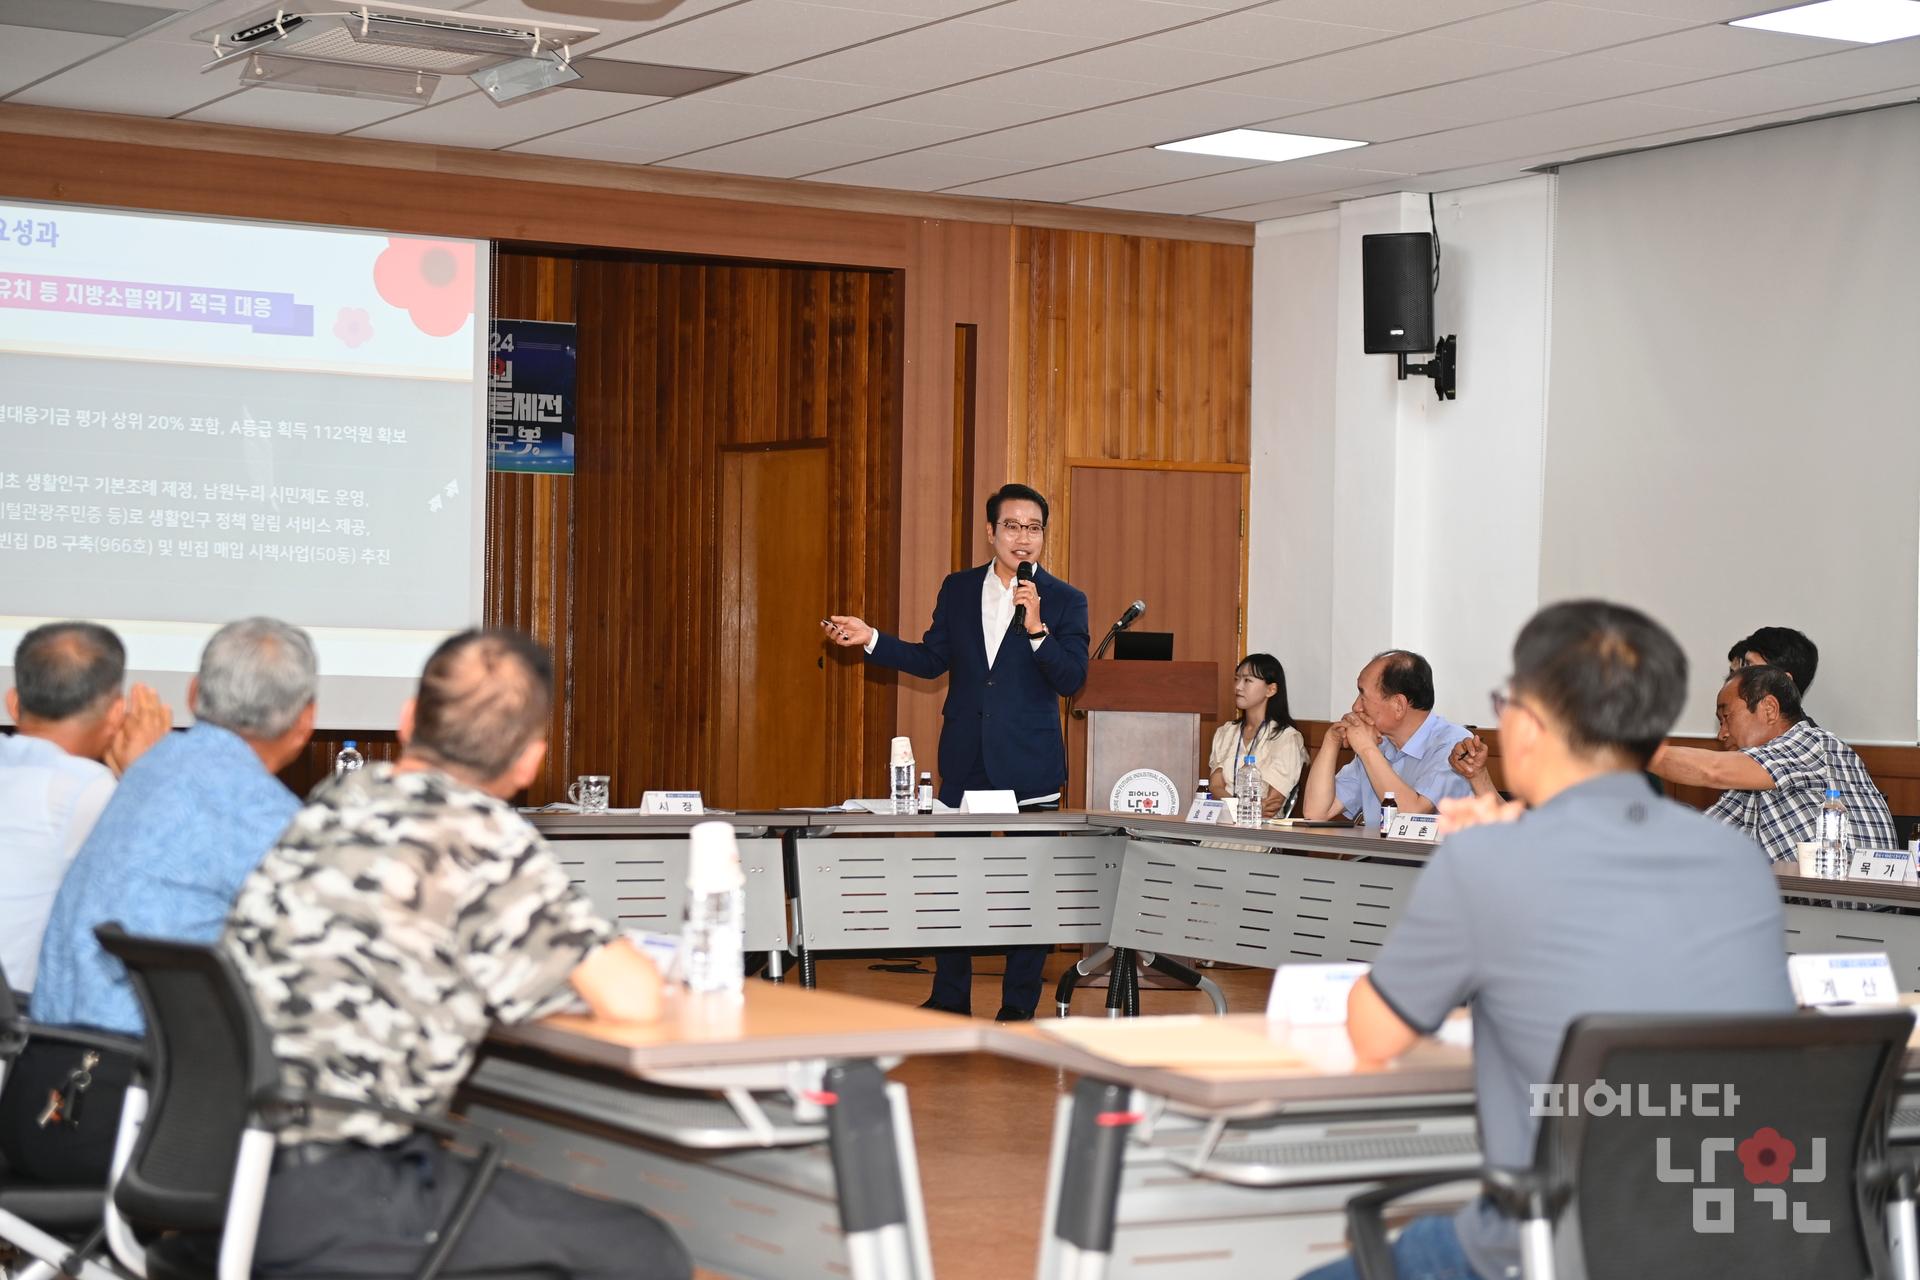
1126 620
1023 574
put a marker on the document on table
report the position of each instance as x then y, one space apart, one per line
1195 1040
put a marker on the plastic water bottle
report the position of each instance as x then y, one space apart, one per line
1389 810
348 759
901 771
1247 789
1831 864
926 793
714 937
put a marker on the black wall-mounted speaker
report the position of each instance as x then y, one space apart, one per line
1396 287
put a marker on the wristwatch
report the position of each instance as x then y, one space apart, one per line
1042 633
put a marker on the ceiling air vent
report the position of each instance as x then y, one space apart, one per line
393 52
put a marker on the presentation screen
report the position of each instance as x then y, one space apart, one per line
202 420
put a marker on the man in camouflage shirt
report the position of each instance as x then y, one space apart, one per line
406 909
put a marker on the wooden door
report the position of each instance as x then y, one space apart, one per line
1173 539
770 743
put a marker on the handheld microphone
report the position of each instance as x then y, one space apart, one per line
1023 574
1132 615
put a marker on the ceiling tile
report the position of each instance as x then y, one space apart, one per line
1371 71
775 155
1394 15
671 128
1043 86
1722 49
760 36
1111 19
143 77
304 112
942 55
1690 10
976 115
1139 61
1366 121
1551 132
28 53
916 8
793 93
1562 28
473 120
875 135
1743 93
1858 68
928 170
1263 34
1088 178
1241 186
1586 77
1477 101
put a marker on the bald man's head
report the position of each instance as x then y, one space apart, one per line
484 696
68 671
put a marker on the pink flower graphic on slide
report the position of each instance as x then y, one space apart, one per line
431 280
1768 1157
352 326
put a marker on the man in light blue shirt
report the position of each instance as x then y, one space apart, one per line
187 824
73 733
1399 746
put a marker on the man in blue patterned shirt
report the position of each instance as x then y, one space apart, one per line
1777 767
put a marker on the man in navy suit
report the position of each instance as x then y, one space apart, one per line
1002 726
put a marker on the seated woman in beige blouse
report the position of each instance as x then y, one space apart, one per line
1264 727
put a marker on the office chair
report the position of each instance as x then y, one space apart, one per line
198 1132
1793 1181
57 1226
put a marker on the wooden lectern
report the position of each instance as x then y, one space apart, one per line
1145 715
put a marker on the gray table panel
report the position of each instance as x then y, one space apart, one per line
861 893
642 884
1263 908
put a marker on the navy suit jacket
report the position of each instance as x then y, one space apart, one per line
1004 719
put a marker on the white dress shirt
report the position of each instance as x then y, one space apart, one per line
49 802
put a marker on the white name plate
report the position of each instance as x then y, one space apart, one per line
1312 995
1884 866
989 802
671 803
1864 977
1212 812
1414 826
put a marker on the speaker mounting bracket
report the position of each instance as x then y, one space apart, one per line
1440 368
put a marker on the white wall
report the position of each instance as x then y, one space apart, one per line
1383 517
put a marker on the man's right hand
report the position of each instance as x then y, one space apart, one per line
849 633
147 721
1469 758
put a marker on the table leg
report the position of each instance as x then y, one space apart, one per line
1094 1151
874 1172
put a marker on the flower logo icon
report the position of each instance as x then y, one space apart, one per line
1767 1156
431 280
352 326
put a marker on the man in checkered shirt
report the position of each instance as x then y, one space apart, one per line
1777 768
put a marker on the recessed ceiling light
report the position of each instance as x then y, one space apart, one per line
1860 21
1260 144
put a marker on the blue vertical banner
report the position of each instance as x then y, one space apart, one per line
530 397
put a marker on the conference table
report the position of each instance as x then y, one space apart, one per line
762 1129
828 883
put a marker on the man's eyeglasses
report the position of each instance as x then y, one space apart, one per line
1013 529
1501 698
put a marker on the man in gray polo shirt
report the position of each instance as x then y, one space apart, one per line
1599 898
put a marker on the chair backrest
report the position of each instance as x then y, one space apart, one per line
209 1058
1731 1145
